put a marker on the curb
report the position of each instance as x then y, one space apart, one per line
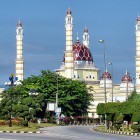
118 132
29 132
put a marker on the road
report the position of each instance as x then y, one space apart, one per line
66 133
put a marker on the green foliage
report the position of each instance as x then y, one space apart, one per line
136 127
117 126
24 123
101 109
118 118
110 117
73 97
136 117
134 96
112 107
128 107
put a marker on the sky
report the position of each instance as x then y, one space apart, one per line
44 33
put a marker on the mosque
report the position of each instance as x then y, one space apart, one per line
78 64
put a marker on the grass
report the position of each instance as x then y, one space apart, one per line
32 127
124 128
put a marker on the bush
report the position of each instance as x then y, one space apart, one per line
136 117
136 127
16 122
117 126
4 122
24 123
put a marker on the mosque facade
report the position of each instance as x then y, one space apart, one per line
78 64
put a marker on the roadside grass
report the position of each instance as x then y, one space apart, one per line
32 127
123 129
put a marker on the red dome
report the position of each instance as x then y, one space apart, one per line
81 52
106 75
126 78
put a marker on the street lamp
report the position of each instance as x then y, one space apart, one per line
127 78
102 41
11 84
57 109
112 77
56 93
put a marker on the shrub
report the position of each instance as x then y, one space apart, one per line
16 122
118 118
24 123
136 117
3 122
136 127
117 126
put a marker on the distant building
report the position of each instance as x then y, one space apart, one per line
78 64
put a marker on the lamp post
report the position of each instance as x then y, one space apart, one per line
56 93
127 75
102 41
57 110
11 84
112 77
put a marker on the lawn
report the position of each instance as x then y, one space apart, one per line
32 127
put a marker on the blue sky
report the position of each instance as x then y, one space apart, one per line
44 33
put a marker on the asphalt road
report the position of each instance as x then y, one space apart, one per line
66 133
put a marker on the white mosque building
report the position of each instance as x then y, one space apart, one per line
78 64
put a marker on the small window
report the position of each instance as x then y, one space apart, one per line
78 76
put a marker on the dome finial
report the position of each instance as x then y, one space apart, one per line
126 72
106 69
69 11
86 29
77 39
19 23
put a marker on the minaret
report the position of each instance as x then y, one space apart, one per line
86 37
138 55
19 53
69 60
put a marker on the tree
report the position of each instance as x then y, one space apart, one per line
136 117
134 96
72 94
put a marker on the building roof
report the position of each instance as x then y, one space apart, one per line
81 52
106 75
126 78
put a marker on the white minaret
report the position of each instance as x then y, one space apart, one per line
86 37
19 54
69 60
138 55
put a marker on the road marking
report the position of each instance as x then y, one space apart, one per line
7 139
59 135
